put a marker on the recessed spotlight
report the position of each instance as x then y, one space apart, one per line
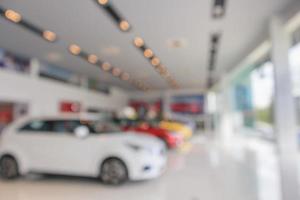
13 16
124 25
162 70
49 36
219 8
121 22
74 49
92 59
148 53
165 73
125 76
116 71
16 17
155 61
106 66
103 2
138 42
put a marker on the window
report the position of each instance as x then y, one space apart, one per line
57 126
37 126
69 126
98 127
64 126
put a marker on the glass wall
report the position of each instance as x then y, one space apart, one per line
262 89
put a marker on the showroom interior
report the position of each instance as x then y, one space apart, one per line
151 100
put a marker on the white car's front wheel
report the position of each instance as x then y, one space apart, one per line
114 171
8 167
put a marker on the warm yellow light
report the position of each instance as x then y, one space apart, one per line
162 70
173 83
92 59
13 16
125 76
124 25
148 53
103 2
106 66
116 71
155 61
138 42
74 49
49 35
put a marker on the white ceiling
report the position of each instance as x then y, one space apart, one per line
157 21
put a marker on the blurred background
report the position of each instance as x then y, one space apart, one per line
222 74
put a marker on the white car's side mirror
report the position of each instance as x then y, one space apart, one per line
82 131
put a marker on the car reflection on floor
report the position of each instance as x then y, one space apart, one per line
198 171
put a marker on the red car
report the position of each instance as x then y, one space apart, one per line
172 140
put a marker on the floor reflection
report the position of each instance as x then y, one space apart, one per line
198 171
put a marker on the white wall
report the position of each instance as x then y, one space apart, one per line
43 96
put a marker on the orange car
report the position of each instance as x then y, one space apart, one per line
178 127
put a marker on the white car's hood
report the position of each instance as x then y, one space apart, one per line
139 139
143 139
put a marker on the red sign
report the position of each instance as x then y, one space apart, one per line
70 107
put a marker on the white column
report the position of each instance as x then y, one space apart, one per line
34 68
84 82
285 116
210 109
225 129
166 104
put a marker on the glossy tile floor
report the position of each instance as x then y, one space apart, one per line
198 171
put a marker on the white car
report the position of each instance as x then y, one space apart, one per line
79 146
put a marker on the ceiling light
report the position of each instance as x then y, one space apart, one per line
116 71
49 36
74 49
148 53
215 40
138 42
92 59
124 25
114 14
165 73
13 16
125 76
103 2
106 66
155 61
219 8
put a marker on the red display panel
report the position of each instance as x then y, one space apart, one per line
70 107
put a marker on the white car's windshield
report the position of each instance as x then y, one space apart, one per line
97 127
